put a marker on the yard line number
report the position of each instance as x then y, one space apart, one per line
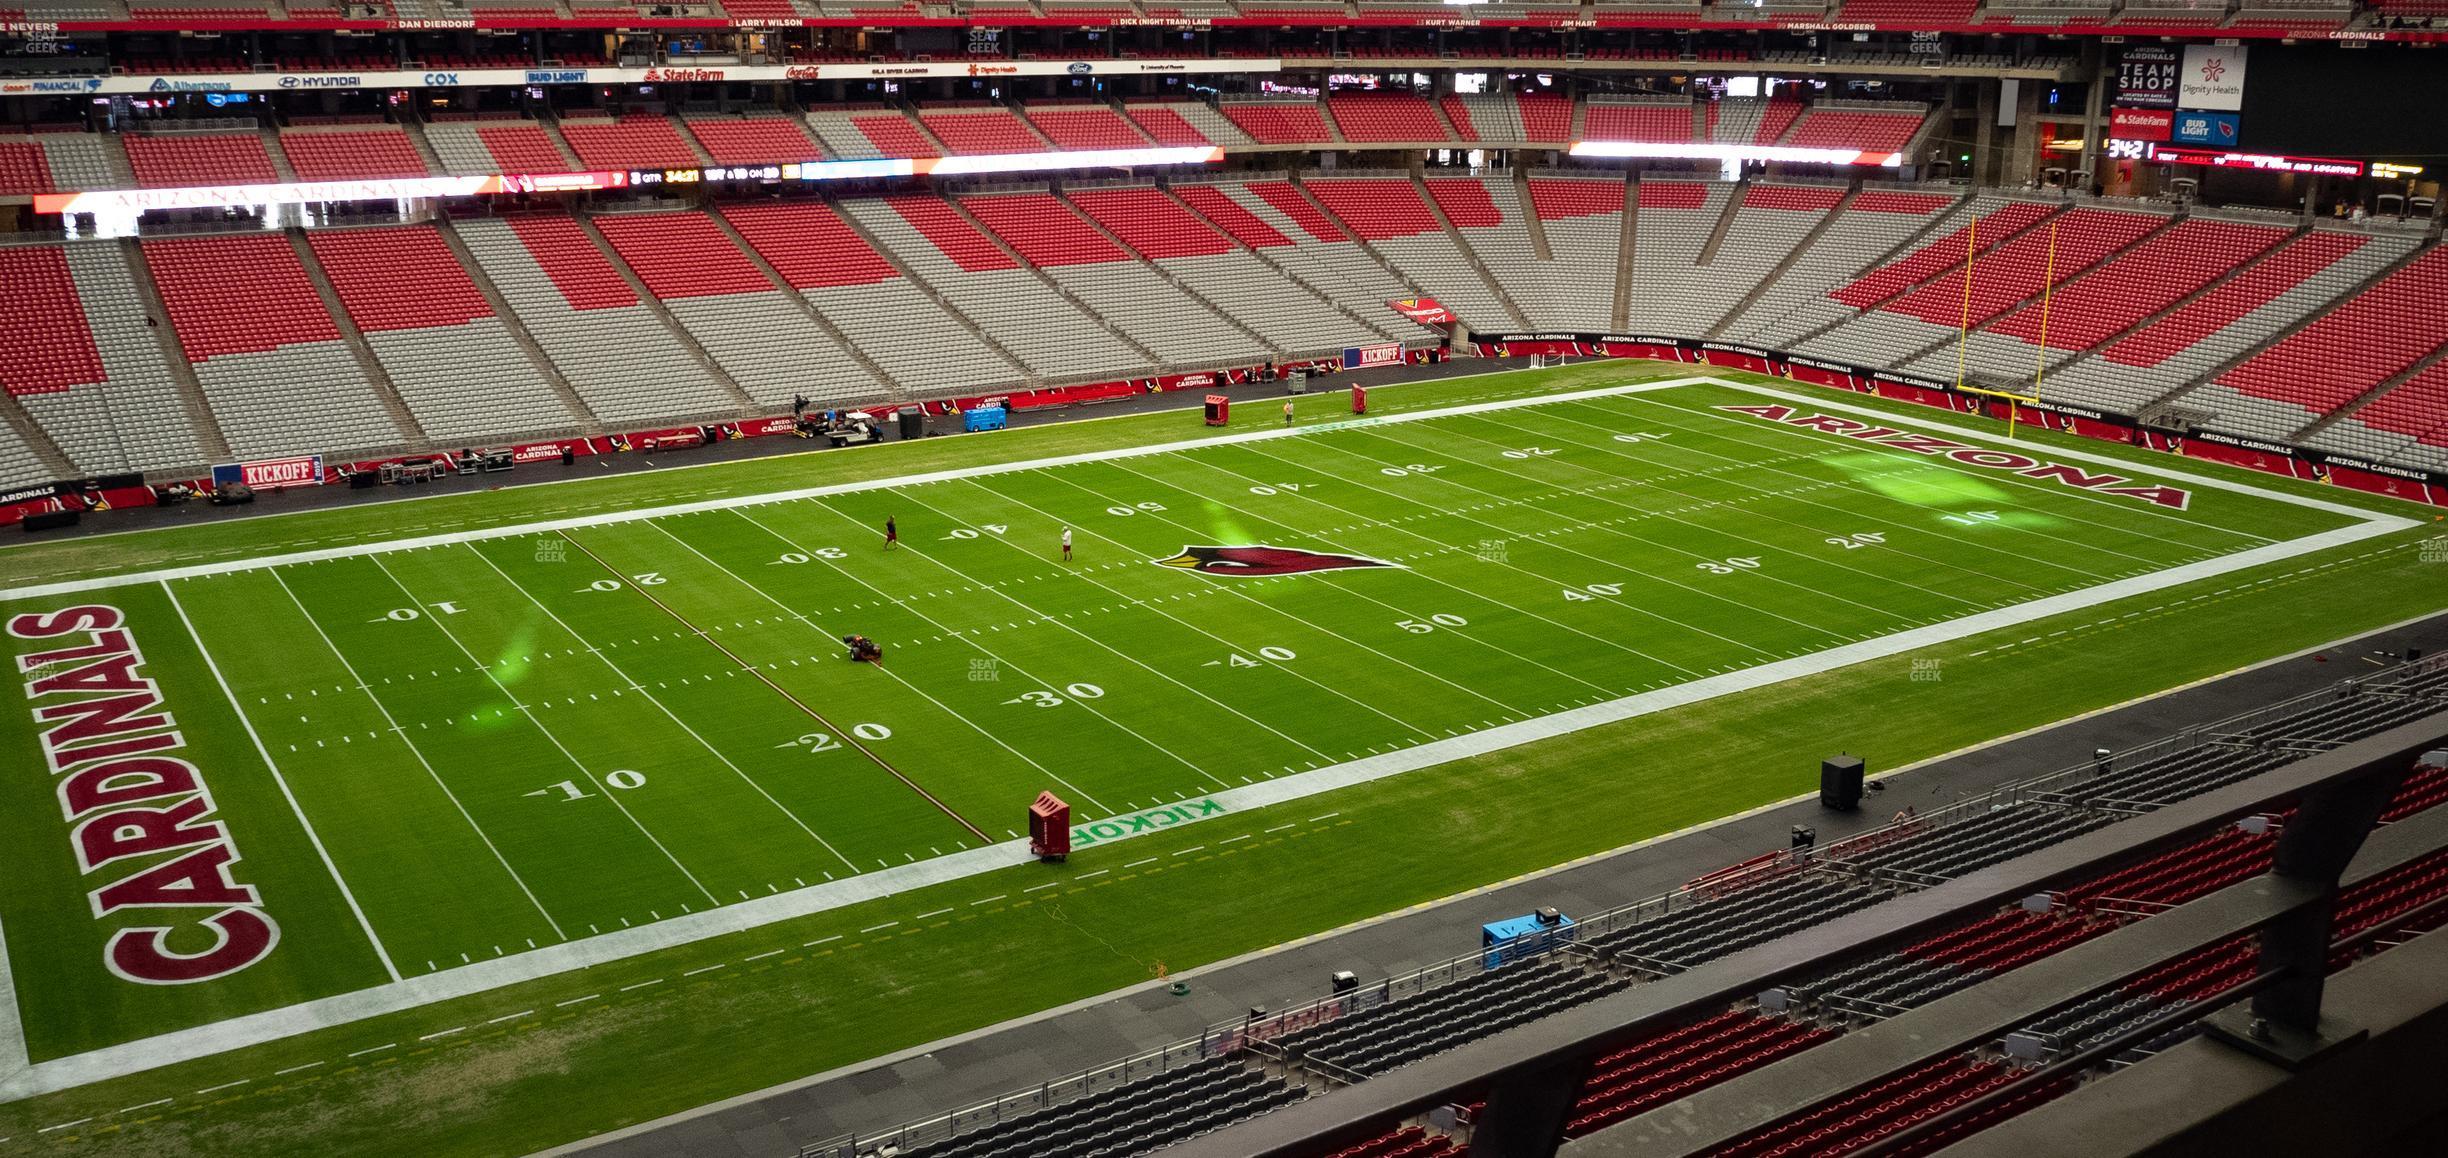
1265 654
793 558
1048 699
621 778
824 741
642 579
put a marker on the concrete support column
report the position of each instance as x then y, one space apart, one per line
1984 133
2095 100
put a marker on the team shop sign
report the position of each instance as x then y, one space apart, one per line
1970 455
140 817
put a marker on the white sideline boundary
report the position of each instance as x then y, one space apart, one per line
885 1061
288 1021
13 1059
641 514
676 468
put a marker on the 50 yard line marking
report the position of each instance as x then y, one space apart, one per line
1302 620
1149 605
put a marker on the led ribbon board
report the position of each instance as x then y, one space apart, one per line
1735 153
127 202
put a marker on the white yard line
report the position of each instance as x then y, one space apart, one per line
1100 644
1631 606
2243 488
70 587
1824 439
870 448
967 718
13 1059
540 726
1228 645
1246 597
214 666
1305 497
272 1025
413 750
1835 508
1687 553
674 717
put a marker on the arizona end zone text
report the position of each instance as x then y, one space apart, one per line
1969 455
135 809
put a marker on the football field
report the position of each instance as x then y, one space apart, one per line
290 791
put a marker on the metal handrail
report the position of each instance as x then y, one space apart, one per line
1068 1088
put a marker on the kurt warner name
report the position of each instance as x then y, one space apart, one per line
141 820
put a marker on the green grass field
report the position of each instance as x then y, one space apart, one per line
455 771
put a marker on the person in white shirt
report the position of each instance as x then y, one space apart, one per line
1066 544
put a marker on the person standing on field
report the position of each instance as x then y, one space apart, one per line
1287 412
892 533
1066 544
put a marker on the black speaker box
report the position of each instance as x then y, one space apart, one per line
49 519
363 480
913 424
1840 783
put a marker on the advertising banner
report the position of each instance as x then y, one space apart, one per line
2141 124
303 470
2146 77
1425 311
2268 163
2217 130
1373 354
2212 79
530 77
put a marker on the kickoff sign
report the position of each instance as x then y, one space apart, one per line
303 470
1373 354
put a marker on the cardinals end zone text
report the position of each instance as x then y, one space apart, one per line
138 813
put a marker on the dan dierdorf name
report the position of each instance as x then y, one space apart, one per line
140 815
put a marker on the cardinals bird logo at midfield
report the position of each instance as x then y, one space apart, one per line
1263 560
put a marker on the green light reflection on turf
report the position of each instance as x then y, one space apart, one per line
512 666
1934 486
1925 486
